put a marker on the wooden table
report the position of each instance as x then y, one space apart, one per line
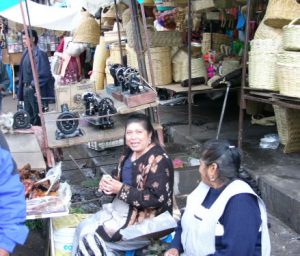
25 149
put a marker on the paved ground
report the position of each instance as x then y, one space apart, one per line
285 241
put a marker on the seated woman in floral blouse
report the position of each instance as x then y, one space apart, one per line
143 188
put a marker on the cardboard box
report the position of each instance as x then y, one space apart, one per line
71 94
134 100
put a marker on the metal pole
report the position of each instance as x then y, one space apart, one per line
138 40
228 84
190 65
119 33
243 85
148 45
34 73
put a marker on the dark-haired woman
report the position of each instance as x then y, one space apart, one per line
223 215
143 189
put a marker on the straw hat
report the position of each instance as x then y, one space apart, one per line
88 30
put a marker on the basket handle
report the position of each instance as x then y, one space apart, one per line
293 21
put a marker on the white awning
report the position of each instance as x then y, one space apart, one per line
43 16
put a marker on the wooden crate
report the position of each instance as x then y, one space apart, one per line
133 100
71 94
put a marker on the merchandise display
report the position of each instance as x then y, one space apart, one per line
21 118
67 124
103 106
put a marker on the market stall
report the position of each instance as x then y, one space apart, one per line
273 67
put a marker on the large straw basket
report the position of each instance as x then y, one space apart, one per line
88 30
291 36
229 65
161 63
288 73
214 41
266 32
131 58
281 12
265 45
262 71
288 126
156 38
115 56
180 67
100 56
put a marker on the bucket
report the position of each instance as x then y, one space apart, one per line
63 240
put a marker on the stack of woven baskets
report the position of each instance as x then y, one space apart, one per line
288 61
262 64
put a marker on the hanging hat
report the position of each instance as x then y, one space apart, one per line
88 30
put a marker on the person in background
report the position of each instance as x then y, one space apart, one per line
12 203
26 90
223 215
142 185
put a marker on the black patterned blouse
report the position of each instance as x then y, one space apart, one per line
151 192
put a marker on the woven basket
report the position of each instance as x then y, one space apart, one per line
262 71
202 5
214 41
88 30
156 38
281 12
229 65
288 73
115 56
100 56
265 45
180 67
161 63
291 36
288 126
131 58
266 32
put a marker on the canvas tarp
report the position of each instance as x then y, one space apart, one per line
43 16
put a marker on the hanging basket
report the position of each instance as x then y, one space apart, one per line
88 30
291 36
281 12
262 70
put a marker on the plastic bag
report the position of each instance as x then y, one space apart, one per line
160 223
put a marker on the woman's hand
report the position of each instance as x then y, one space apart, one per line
110 186
3 252
172 252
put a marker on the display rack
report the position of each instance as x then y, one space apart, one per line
257 95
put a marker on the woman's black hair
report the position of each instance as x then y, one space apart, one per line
33 35
144 120
226 156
